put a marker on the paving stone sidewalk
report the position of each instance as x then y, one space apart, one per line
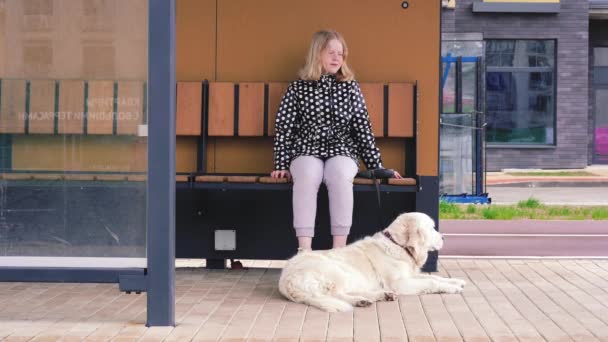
505 300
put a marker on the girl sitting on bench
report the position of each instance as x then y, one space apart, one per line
322 129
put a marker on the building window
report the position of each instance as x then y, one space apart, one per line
37 58
98 61
520 92
37 7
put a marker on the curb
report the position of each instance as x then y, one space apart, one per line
548 184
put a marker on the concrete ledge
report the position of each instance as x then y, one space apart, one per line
515 7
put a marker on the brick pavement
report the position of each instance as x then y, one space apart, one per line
504 300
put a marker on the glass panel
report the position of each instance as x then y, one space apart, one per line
460 49
600 75
456 155
469 87
520 53
73 167
601 126
499 52
520 107
449 88
600 56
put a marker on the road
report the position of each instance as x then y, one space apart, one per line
525 238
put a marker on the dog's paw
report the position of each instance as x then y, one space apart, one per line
455 289
390 296
363 303
459 282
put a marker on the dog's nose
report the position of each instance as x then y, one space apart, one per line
442 238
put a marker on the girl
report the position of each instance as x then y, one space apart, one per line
322 129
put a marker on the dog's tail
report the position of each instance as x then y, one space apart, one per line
313 292
328 303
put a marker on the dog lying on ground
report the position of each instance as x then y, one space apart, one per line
376 268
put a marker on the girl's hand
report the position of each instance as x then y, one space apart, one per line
280 174
397 175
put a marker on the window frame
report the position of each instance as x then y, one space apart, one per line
553 70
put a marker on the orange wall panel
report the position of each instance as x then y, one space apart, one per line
267 40
195 40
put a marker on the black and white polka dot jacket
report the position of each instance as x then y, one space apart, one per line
324 119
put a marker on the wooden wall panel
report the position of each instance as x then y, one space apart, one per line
221 109
374 100
195 40
410 48
12 110
185 154
189 108
42 107
391 150
130 107
276 90
230 156
100 107
400 110
251 109
78 153
71 107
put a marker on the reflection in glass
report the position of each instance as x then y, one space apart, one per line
520 53
520 94
73 83
520 107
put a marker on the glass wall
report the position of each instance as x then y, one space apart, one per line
457 133
520 92
73 145
600 118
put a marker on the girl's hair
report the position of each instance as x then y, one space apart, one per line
312 70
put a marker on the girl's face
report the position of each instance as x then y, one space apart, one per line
332 57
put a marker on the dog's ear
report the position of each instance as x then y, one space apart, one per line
415 243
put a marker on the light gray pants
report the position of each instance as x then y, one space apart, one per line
337 173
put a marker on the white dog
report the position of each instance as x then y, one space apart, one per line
378 267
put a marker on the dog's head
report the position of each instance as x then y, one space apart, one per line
416 233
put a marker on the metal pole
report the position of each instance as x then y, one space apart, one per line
161 164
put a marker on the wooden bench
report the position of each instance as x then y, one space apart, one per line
229 188
224 156
221 112
96 107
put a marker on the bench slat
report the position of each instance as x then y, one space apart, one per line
221 109
189 106
365 181
251 109
243 179
276 90
374 99
71 107
272 180
210 179
400 110
403 181
42 107
79 177
100 107
180 178
12 119
130 107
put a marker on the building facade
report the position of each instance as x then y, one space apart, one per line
543 78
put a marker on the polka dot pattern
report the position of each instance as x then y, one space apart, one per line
324 119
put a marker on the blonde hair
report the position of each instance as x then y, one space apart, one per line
312 70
